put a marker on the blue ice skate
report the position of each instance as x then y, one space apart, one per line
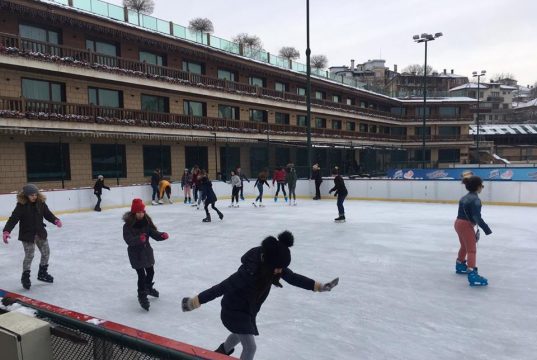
275 199
286 199
475 279
461 267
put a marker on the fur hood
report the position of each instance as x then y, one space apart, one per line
23 199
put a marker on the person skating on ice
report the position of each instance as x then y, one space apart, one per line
98 191
243 177
279 177
316 175
245 291
196 177
155 180
29 213
259 183
209 197
340 190
137 231
291 182
164 186
235 189
186 186
469 215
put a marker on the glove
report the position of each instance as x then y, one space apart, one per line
335 194
164 236
189 304
143 238
6 236
326 287
58 223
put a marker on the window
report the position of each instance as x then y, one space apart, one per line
194 108
282 118
153 59
449 155
336 124
43 90
156 156
417 155
228 112
351 126
320 123
194 67
398 111
108 160
40 34
419 111
419 131
301 120
257 81
449 131
448 111
47 162
105 97
373 129
320 95
495 93
350 102
101 47
227 75
155 103
197 155
398 130
283 155
282 87
258 115
364 128
258 159
336 98
300 91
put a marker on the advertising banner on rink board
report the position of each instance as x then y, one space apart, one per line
500 174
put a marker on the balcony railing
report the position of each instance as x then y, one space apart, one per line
12 44
495 98
55 111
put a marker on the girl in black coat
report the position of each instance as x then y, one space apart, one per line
98 191
340 190
137 230
30 211
209 197
246 290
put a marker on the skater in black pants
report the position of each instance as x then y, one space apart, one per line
291 182
137 230
340 190
236 187
98 191
261 180
316 175
210 198
246 290
243 177
155 180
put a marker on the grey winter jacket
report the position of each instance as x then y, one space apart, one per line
236 181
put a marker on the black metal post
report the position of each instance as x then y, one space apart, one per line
117 167
308 88
477 120
215 158
424 108
62 167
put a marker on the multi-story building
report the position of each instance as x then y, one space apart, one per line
90 88
410 85
372 75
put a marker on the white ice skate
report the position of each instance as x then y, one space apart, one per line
254 204
153 202
161 202
170 201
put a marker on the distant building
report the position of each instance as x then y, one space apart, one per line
410 85
373 74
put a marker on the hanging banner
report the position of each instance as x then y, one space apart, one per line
500 174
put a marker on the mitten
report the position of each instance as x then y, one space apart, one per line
58 223
189 304
164 236
326 287
6 236
143 238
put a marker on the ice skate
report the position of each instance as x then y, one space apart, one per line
189 200
221 350
170 201
237 205
25 280
285 198
98 209
475 279
261 205
220 215
340 219
151 291
207 219
231 205
160 202
143 300
294 202
153 202
184 202
275 199
461 268
43 275
254 204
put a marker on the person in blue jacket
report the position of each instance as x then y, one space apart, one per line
245 291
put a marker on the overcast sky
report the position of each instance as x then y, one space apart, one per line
498 36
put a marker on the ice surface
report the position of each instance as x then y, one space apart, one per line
398 296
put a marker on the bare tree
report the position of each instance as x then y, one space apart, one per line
201 24
140 6
251 43
417 69
319 61
289 53
503 76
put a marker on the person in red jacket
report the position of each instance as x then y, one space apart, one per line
279 177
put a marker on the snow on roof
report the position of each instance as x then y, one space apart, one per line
469 86
527 104
504 129
440 100
507 87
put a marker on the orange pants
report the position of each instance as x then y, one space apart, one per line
466 233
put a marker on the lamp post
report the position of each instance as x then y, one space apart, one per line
478 76
215 157
425 38
308 87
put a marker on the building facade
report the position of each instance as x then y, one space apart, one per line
83 94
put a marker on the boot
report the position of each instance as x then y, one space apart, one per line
43 275
151 291
25 280
189 200
97 208
207 219
475 279
340 218
221 350
275 199
185 200
460 267
142 299
220 215
285 198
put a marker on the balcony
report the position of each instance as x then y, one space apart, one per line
495 99
20 108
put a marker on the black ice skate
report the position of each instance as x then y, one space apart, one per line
340 219
43 275
25 280
221 350
151 291
207 219
142 299
220 215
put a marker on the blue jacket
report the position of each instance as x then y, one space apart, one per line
244 294
470 209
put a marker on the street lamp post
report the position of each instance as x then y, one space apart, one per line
478 76
308 87
419 39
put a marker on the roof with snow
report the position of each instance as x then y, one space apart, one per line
452 99
504 129
472 85
526 104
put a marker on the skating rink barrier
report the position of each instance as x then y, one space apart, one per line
495 192
83 337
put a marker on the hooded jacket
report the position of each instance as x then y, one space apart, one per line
140 253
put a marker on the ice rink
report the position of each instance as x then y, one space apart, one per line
398 295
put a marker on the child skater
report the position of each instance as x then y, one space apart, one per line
186 186
98 191
261 180
30 211
469 216
291 182
209 197
137 230
279 177
246 290
236 183
340 190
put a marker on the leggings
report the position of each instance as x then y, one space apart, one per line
145 278
235 194
29 251
186 190
248 345
468 249
260 196
98 205
282 186
292 193
214 208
